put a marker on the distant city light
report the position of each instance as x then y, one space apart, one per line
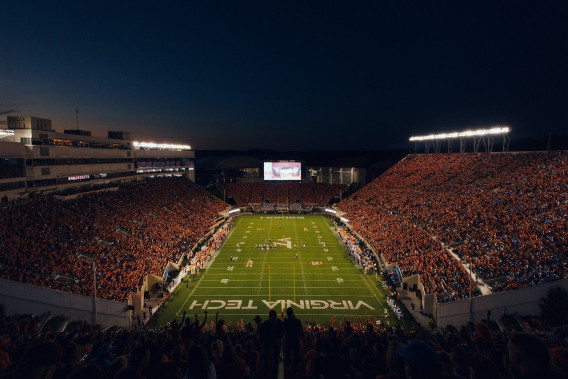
466 133
151 145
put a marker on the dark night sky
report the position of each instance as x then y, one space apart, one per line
287 75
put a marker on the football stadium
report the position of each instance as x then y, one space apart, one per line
438 241
283 190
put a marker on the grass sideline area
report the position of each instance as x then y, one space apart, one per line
309 270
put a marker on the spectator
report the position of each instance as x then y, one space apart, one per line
231 366
129 233
270 334
293 334
199 366
502 212
251 357
421 360
364 351
529 357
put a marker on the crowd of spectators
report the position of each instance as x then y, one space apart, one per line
129 233
197 349
198 259
241 194
295 192
364 257
504 212
324 192
306 194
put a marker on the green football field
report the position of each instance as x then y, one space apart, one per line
309 270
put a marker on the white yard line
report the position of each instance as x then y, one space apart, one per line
263 263
191 293
372 291
300 256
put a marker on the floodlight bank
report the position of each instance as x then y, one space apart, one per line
6 133
466 133
151 145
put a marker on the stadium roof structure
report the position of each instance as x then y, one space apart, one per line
479 135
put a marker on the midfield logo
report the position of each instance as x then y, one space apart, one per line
302 304
286 242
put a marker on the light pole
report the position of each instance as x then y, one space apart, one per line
92 260
470 280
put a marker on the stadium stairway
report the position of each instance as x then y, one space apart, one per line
408 298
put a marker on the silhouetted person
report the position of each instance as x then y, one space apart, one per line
529 357
270 333
293 334
421 360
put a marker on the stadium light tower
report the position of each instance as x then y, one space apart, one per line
478 135
92 260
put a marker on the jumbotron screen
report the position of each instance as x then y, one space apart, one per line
282 171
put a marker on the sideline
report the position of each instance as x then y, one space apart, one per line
206 268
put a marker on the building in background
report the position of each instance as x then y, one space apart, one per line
337 175
35 159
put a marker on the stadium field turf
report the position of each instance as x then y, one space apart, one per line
309 270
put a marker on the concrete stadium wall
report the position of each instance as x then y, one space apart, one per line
523 302
429 301
21 298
